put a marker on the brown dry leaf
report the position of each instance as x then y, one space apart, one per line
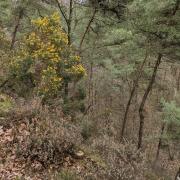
26 133
22 127
9 131
13 157
9 138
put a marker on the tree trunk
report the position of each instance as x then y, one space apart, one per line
171 155
87 28
62 12
141 108
132 95
160 142
90 93
178 81
20 16
66 90
70 21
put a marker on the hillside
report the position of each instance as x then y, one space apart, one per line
90 89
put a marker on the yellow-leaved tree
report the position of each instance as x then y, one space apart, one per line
45 61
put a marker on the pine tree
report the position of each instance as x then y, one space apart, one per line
159 23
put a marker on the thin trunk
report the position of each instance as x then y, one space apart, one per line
171 156
70 21
90 92
178 81
66 90
132 95
141 108
87 28
160 142
20 16
176 7
62 12
90 85
4 83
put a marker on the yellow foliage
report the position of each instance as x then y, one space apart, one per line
50 82
47 47
78 70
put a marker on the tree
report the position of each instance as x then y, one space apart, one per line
159 24
170 130
45 60
21 11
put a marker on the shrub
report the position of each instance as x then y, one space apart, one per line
45 61
87 129
171 115
123 160
48 138
24 110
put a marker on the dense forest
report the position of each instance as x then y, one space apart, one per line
90 89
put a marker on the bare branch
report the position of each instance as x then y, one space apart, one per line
87 28
62 12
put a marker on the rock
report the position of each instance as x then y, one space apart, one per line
79 154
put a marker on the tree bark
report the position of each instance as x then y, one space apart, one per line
70 21
178 81
132 95
145 96
20 16
160 142
90 86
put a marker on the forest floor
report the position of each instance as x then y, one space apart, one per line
14 167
